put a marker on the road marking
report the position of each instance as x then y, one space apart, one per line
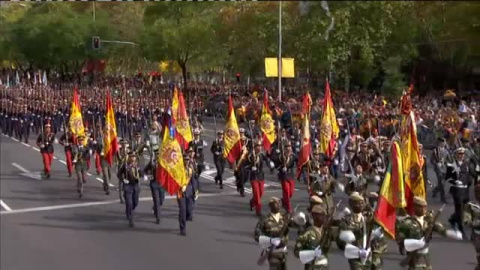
87 204
15 139
5 206
36 149
208 177
101 180
26 144
20 168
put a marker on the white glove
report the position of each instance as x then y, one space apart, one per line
275 242
148 143
254 168
217 153
90 152
94 142
31 124
277 151
453 234
318 252
336 162
439 164
42 145
284 169
458 182
377 233
66 144
145 178
363 254
184 188
205 143
102 154
125 181
272 165
74 161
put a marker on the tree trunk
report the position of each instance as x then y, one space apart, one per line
183 66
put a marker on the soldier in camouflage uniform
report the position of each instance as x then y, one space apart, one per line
274 226
80 155
472 219
318 238
323 185
417 227
360 224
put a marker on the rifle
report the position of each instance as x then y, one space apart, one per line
266 252
428 237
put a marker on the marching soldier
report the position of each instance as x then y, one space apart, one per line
323 185
121 160
240 170
355 229
255 162
285 166
67 141
458 174
316 238
102 164
158 193
197 144
275 228
440 158
138 146
415 233
130 175
80 156
363 158
218 159
45 143
472 219
186 196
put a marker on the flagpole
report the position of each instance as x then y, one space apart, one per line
280 51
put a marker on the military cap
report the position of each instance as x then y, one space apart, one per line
137 134
316 199
258 143
364 143
122 141
241 130
464 140
355 196
443 140
132 154
460 150
220 132
156 150
252 121
274 200
419 201
318 209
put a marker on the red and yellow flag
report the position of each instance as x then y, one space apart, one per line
233 145
329 127
76 120
180 116
305 147
392 193
110 137
171 173
267 125
412 161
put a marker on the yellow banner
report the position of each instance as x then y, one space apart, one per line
288 67
170 158
76 120
110 137
266 122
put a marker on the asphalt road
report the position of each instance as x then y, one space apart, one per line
44 225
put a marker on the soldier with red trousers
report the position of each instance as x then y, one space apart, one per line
45 143
285 164
257 178
67 140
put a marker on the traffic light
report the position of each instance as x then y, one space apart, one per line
238 77
96 43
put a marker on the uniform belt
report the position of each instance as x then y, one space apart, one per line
423 251
321 261
280 250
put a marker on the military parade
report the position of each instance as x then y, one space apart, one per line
116 169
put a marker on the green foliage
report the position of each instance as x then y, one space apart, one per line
394 79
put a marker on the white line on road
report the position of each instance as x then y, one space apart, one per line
5 206
26 144
20 168
79 205
14 139
36 149
101 180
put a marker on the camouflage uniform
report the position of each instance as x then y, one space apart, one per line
268 226
410 228
323 187
472 219
355 224
312 238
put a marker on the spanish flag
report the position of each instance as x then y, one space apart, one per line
182 123
233 145
266 124
329 127
412 161
171 173
392 193
110 138
76 120
305 147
